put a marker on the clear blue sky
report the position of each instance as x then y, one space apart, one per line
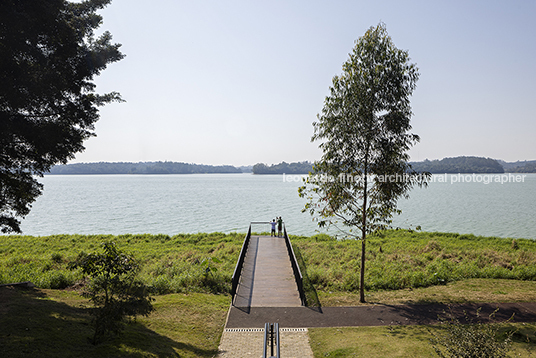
240 82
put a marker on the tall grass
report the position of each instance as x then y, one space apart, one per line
174 264
404 259
170 264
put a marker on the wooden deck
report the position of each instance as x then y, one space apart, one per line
267 279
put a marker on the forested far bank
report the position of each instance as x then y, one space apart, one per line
446 165
283 168
473 165
142 168
459 165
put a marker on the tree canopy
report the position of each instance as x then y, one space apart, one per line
49 57
364 133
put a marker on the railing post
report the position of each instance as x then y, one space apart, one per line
277 338
271 338
266 327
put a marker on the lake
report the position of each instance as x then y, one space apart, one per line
172 204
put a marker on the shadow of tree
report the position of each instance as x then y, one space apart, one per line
466 312
34 325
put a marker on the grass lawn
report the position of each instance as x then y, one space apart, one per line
55 323
471 290
401 341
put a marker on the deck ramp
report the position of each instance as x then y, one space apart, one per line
267 279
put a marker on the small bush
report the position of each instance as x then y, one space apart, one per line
57 258
58 280
113 289
472 340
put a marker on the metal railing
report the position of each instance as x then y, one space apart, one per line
271 340
295 268
239 264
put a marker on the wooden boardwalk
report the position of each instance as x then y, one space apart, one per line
267 279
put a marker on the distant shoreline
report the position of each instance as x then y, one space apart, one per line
458 165
144 168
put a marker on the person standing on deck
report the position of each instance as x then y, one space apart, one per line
279 227
273 228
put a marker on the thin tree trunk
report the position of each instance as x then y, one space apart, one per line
363 234
362 277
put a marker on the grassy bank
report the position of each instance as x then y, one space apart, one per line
170 264
191 302
396 262
409 260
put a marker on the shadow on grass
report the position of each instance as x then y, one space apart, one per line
32 325
311 296
466 312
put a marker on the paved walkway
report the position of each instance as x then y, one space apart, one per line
267 279
248 343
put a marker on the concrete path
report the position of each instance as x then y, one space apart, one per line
248 343
267 279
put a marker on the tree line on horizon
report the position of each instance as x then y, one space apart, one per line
459 165
283 168
446 165
142 168
473 165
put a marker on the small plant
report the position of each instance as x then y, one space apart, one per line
113 289
515 245
57 258
208 267
471 340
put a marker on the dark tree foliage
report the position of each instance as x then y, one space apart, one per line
283 168
48 105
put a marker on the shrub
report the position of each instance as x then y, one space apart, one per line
473 340
113 289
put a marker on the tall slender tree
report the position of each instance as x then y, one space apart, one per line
364 133
48 105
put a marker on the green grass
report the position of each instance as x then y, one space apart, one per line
413 268
169 264
173 264
403 341
477 290
402 259
55 323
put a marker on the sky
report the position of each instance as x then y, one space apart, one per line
241 82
